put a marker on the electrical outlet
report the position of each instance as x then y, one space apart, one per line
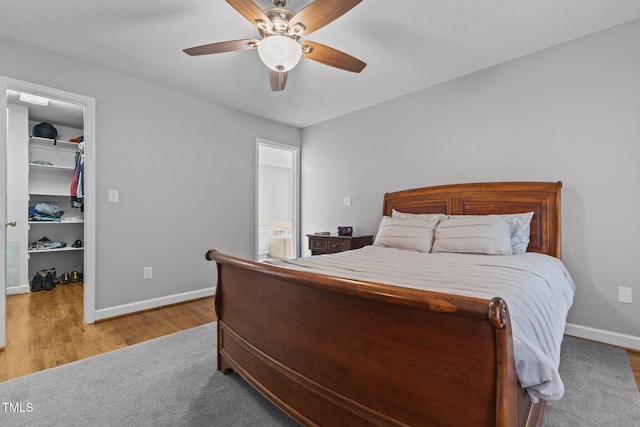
346 201
625 295
148 273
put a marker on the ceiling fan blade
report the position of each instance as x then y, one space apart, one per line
250 11
320 13
230 46
332 57
277 79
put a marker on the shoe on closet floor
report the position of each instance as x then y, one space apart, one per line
65 279
75 277
48 282
45 272
37 283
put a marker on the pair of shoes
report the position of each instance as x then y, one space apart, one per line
49 278
46 243
77 244
40 283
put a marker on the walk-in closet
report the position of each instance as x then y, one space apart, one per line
45 193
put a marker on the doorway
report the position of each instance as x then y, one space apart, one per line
12 269
278 183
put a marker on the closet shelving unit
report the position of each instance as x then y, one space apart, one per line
51 183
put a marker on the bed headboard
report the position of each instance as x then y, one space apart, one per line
541 198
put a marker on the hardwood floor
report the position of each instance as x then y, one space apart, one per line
634 359
45 329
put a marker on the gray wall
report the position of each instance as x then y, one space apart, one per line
185 169
569 113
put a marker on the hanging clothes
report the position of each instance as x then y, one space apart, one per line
77 183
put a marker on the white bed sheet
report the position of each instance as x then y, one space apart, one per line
537 288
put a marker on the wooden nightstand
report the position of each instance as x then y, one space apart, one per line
322 244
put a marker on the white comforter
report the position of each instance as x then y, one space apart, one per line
537 288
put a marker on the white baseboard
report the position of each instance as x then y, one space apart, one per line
105 313
607 337
15 290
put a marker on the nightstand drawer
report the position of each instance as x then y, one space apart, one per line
330 244
335 245
318 244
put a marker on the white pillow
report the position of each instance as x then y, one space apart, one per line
409 234
425 217
487 234
520 230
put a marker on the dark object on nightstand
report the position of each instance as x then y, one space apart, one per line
331 244
345 231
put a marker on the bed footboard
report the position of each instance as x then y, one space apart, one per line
339 352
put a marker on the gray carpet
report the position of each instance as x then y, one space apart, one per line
171 381
599 387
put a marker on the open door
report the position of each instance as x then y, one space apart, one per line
278 201
3 208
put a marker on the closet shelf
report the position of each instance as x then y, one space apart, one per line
51 167
48 194
48 251
40 140
57 223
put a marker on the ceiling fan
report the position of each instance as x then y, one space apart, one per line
281 30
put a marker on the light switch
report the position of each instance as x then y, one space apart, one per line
346 201
113 196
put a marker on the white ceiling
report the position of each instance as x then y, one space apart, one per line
407 45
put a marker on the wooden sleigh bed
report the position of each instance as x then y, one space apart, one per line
338 352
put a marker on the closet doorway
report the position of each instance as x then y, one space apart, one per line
40 173
278 183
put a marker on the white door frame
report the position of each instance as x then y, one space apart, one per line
89 184
3 210
296 193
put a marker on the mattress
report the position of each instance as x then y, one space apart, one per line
537 288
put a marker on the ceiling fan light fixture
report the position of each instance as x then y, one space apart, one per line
279 53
